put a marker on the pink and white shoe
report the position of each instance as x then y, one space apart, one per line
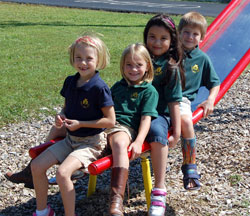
158 202
50 213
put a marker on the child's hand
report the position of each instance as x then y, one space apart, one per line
135 147
208 107
59 120
173 140
72 125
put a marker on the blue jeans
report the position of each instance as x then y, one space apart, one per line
159 130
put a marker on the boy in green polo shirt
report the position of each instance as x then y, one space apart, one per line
199 71
135 102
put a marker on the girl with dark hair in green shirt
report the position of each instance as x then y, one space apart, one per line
161 39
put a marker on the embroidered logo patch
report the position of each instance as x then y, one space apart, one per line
158 71
195 68
85 103
134 95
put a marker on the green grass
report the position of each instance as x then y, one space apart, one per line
245 203
34 59
234 179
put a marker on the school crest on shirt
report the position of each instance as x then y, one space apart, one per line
134 95
158 71
85 103
195 68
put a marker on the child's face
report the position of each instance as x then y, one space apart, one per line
190 37
134 68
85 61
158 40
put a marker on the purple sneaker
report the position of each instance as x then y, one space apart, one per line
158 202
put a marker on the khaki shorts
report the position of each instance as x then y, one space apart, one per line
122 128
85 149
185 107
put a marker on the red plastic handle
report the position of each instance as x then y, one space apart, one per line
35 151
104 163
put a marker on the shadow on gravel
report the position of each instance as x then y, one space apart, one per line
24 209
223 116
98 203
238 112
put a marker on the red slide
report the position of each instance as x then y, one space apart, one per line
234 16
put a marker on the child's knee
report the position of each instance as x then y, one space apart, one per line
61 175
36 167
120 146
186 122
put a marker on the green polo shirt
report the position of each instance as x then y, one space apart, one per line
172 92
133 101
199 71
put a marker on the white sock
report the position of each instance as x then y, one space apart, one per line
43 212
160 189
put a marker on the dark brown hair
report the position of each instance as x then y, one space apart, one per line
175 52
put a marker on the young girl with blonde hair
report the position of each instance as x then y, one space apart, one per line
135 101
87 111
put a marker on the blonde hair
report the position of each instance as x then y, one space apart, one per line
140 50
194 19
92 40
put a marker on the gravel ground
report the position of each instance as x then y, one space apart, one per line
222 157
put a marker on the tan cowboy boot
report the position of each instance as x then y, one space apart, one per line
118 184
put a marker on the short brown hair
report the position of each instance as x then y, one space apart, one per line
194 19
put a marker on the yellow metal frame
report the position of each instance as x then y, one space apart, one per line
146 174
91 185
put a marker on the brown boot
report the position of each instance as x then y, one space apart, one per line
24 176
118 184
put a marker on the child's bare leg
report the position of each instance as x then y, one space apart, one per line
159 155
119 143
187 128
63 178
39 167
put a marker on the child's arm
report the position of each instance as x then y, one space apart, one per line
136 146
55 133
107 121
208 105
59 118
176 123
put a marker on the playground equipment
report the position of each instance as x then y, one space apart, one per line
227 42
